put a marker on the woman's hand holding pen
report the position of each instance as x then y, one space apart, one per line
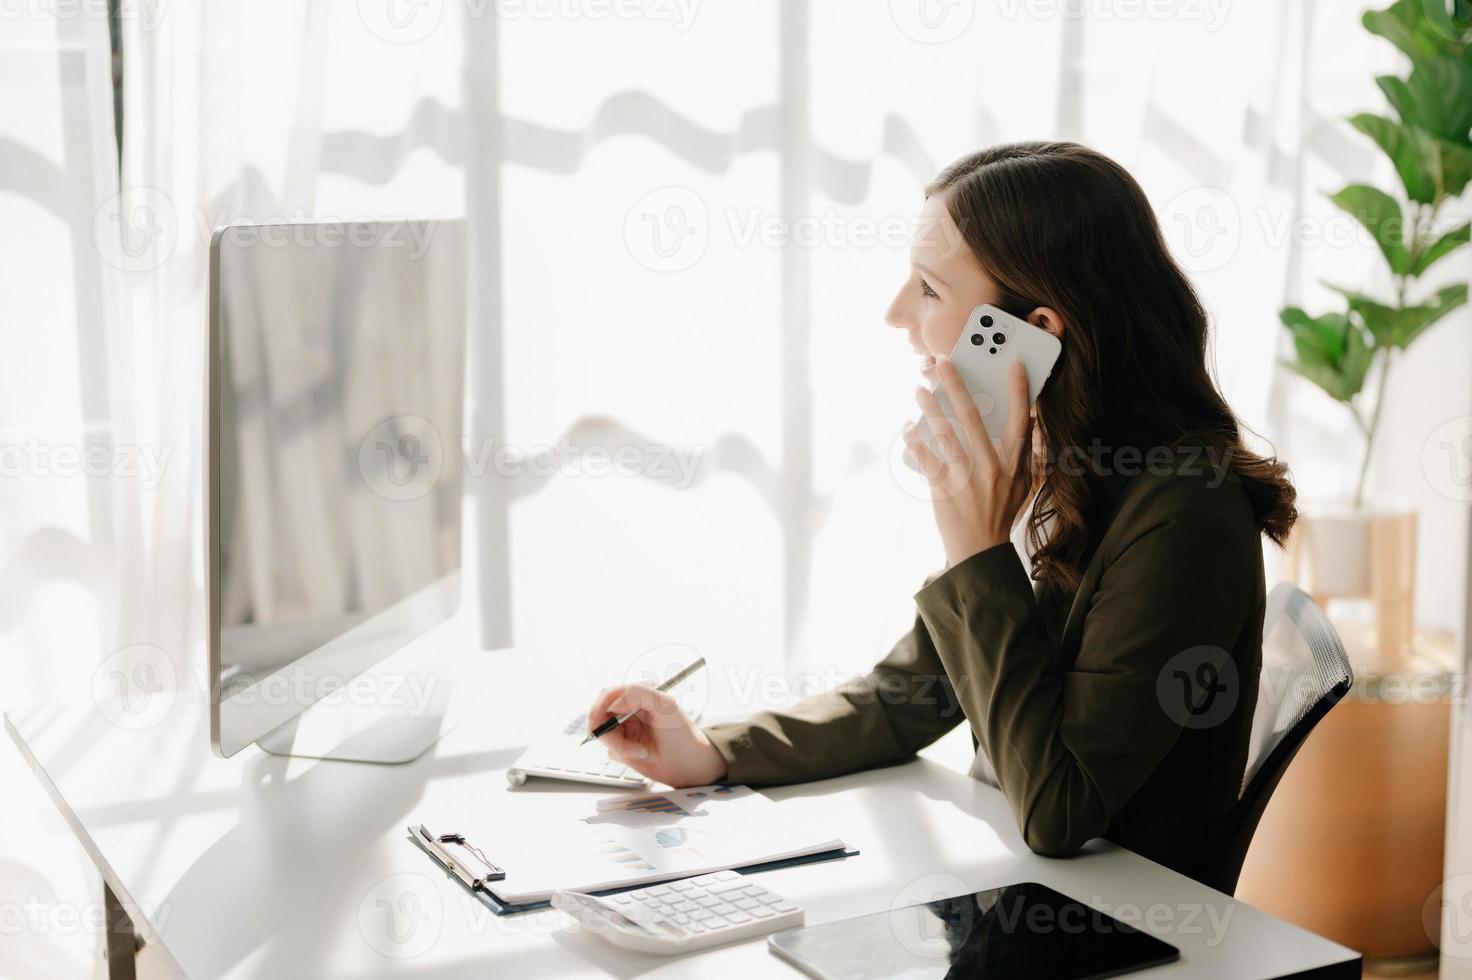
977 493
660 741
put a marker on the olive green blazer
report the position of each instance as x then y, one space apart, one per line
1079 700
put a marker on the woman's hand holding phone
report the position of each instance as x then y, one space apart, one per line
977 490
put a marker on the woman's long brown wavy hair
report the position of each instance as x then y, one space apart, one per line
1062 226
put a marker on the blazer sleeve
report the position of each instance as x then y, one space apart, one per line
1072 742
883 718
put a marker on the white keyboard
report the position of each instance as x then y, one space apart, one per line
683 916
564 758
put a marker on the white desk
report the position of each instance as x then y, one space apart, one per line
259 866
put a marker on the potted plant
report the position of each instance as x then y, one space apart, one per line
1357 550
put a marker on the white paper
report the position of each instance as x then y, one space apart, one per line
639 838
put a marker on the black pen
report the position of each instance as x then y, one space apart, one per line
617 720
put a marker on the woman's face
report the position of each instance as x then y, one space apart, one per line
945 284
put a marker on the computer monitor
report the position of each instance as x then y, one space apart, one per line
335 477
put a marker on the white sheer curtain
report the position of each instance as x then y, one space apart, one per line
686 220
686 226
67 474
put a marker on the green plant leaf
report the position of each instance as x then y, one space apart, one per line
1445 300
1399 25
1415 154
1456 165
1412 26
1380 214
1332 350
1443 90
1326 378
1358 355
1437 97
1398 94
1318 340
1447 243
1398 326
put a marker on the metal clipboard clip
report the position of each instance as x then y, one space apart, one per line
458 856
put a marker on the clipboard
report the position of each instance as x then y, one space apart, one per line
467 864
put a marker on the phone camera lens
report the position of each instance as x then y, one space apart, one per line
994 350
986 320
976 340
999 338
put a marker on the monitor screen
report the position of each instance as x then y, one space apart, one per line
337 396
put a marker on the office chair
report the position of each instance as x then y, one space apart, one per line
1304 674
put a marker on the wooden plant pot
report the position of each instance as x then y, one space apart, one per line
1338 553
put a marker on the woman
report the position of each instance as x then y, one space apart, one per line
1109 677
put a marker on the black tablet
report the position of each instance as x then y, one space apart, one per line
1025 930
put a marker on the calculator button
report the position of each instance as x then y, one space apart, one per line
738 917
747 904
727 888
658 890
682 886
685 906
722 908
785 907
709 900
769 899
725 876
762 911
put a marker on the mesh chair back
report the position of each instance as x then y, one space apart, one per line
1304 673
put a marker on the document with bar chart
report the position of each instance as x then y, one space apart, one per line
645 838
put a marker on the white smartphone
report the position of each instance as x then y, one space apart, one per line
992 341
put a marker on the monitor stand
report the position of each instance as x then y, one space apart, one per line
335 729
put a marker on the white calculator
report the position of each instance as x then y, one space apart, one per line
683 916
563 757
